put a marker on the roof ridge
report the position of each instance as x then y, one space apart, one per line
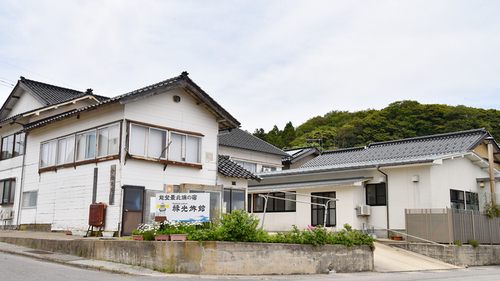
183 76
466 132
49 85
344 149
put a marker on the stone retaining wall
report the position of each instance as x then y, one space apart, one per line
464 255
226 258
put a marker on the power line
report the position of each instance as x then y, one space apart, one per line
7 79
37 74
8 83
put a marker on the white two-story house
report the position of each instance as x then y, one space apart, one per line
63 150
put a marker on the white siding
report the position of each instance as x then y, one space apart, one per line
25 103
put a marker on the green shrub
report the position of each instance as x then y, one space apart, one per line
240 226
457 242
474 243
492 210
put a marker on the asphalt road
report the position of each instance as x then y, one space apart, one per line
14 267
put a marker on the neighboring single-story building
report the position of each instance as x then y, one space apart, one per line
251 153
63 150
376 183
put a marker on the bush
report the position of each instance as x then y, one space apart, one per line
240 226
474 243
457 242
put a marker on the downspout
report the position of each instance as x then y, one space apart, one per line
21 185
386 196
491 170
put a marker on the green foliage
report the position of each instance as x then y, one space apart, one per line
474 243
457 242
401 119
492 210
240 226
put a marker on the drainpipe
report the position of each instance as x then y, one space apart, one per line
386 196
491 164
21 185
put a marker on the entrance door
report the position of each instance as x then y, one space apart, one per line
133 208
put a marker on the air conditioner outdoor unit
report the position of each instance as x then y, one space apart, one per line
363 210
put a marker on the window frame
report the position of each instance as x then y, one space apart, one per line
166 155
55 151
319 210
378 187
30 193
229 203
12 151
273 204
11 193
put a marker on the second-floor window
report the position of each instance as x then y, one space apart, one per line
92 144
252 167
12 146
152 143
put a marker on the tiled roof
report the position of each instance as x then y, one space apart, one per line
230 169
392 153
237 138
416 149
176 82
50 94
296 154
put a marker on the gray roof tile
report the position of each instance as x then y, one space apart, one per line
50 94
237 138
401 151
229 168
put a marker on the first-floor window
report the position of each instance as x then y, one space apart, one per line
376 195
7 191
275 204
29 199
318 211
464 200
234 199
214 201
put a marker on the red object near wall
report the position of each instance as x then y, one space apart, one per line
97 216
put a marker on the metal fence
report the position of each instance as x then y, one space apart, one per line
449 225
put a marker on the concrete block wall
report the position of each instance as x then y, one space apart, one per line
464 255
216 258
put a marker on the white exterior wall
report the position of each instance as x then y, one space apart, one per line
25 103
260 159
161 110
431 191
11 168
459 174
64 197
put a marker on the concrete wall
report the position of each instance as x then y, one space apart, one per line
215 258
464 255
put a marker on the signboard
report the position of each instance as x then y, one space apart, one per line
185 207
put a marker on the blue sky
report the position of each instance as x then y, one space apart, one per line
266 62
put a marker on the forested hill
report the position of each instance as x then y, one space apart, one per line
402 119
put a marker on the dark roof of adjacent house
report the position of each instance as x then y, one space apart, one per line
237 138
224 119
46 94
295 154
397 152
229 168
50 94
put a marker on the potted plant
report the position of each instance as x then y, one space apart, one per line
162 234
180 230
137 235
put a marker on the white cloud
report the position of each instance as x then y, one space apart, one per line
266 62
